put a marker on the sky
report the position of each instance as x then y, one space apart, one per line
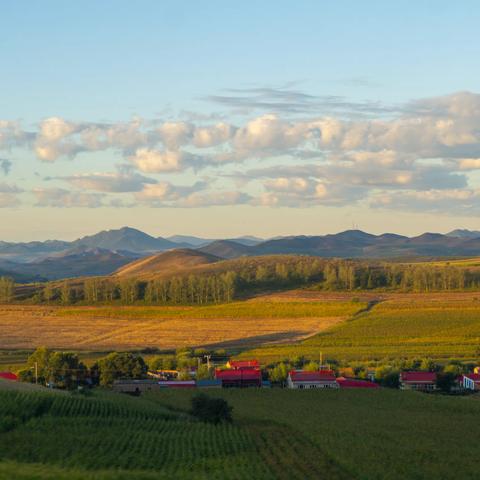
221 119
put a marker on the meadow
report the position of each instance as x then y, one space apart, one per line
233 325
276 434
439 326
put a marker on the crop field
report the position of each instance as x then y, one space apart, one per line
440 326
234 325
276 434
382 434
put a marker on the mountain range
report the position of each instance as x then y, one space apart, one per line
108 251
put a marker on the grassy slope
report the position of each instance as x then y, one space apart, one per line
277 434
437 326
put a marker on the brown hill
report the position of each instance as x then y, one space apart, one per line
166 264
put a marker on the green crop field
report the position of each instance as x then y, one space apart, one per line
276 434
418 325
251 309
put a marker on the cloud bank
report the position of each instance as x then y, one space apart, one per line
291 149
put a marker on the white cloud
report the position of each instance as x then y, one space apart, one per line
61 198
157 161
109 182
205 137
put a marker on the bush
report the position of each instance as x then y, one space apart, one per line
211 410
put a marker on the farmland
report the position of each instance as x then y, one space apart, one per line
235 325
276 434
439 326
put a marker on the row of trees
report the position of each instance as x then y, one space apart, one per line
252 275
65 370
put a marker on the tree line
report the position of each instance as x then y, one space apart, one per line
252 276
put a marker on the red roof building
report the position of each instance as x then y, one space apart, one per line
8 376
425 381
243 364
356 383
319 379
244 377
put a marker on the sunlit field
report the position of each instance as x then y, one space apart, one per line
439 326
234 325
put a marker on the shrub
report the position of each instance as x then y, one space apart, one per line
211 410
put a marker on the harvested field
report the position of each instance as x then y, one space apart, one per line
235 325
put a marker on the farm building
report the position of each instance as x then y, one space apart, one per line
470 381
243 364
355 383
8 376
244 377
135 387
424 381
319 379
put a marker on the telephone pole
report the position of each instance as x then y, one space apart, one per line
36 373
208 360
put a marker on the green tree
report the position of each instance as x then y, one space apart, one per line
212 410
204 373
7 288
279 373
446 381
120 365
66 293
65 370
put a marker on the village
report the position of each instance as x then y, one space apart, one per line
248 374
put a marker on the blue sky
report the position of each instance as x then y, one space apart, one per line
214 118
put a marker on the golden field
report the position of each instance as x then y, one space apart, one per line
276 319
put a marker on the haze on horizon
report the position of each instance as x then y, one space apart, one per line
221 120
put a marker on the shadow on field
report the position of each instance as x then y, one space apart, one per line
245 343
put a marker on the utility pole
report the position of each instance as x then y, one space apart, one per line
208 360
321 359
36 372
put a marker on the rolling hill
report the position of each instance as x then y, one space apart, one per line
167 263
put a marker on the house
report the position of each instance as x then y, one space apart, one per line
423 381
135 387
356 383
319 379
243 377
8 376
243 364
470 381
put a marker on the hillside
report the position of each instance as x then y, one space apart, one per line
226 249
167 263
72 263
